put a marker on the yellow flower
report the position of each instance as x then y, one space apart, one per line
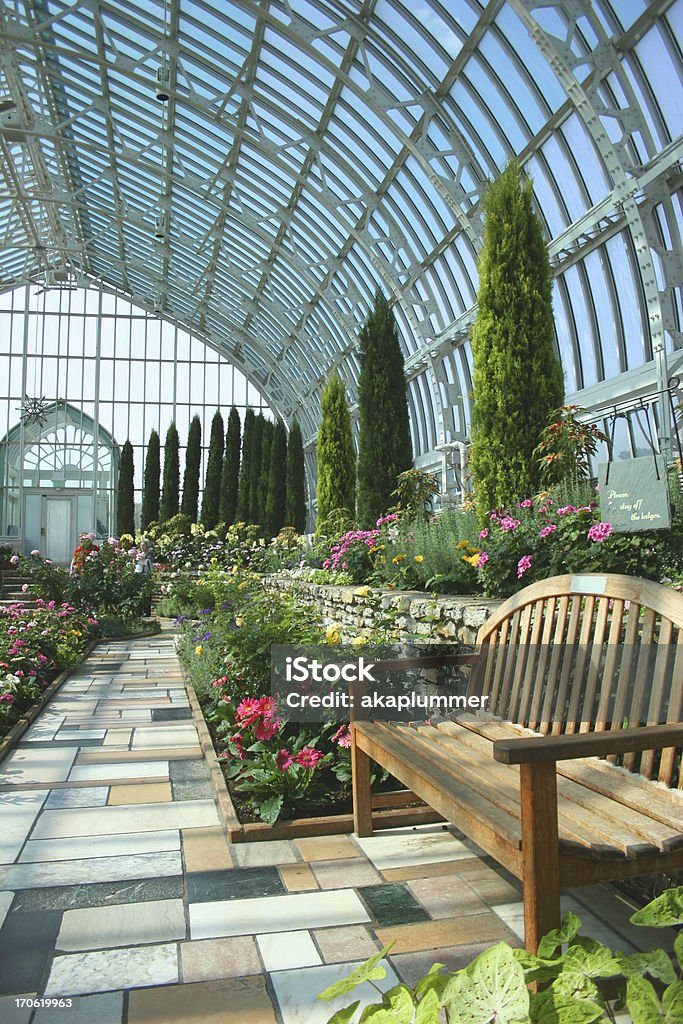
200 583
359 641
472 559
462 545
214 561
243 585
199 649
397 559
333 634
239 621
362 591
419 558
389 586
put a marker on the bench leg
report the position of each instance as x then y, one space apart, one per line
540 851
362 798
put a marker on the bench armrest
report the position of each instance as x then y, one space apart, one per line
535 749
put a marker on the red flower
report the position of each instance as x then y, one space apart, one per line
308 757
266 729
248 710
268 707
283 759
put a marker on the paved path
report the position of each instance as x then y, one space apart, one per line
120 895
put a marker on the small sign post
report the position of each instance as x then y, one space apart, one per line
634 494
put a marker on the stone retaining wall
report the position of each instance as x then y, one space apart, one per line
415 615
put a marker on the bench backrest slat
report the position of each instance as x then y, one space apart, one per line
586 653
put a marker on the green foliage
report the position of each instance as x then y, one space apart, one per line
494 987
255 510
264 472
566 447
414 494
517 375
277 481
336 486
125 503
150 494
169 505
295 509
231 469
429 555
212 482
384 446
193 458
243 494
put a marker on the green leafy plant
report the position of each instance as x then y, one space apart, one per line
211 499
169 502
567 966
295 511
336 483
193 457
231 468
125 496
414 494
566 447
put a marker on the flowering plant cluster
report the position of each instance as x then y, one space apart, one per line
35 645
276 767
354 551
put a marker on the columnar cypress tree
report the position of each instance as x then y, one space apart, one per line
295 508
336 485
193 458
171 480
212 481
264 475
277 481
125 508
255 511
517 375
231 469
150 493
384 448
242 514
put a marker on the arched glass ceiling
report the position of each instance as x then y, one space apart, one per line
311 150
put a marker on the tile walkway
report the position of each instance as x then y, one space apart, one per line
119 893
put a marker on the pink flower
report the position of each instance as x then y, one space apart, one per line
266 729
527 503
236 740
8 698
523 564
24 588
483 534
566 509
268 707
283 760
248 710
508 523
14 560
599 532
35 553
308 757
342 737
547 530
483 559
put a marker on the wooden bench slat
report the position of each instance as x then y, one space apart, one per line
656 712
670 756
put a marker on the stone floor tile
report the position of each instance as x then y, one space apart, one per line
83 796
100 894
412 966
327 848
101 869
10 1013
198 789
206 849
26 945
480 928
249 883
428 870
97 821
188 770
5 903
342 944
207 959
111 772
228 1001
35 766
297 911
251 855
18 812
162 754
106 1008
113 969
93 847
119 737
298 878
172 736
446 896
129 924
493 885
175 714
296 992
402 847
392 903
282 951
78 735
345 874
147 793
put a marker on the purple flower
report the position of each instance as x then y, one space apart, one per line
508 523
523 564
483 559
599 532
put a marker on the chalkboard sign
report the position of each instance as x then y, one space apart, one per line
636 494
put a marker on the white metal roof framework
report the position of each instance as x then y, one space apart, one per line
310 150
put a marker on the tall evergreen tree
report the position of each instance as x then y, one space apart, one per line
384 448
277 481
295 508
517 376
243 492
214 467
150 492
193 458
264 475
125 507
168 505
255 512
231 469
336 486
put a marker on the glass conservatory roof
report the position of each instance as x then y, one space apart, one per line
309 151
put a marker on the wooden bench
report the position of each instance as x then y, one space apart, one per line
592 664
